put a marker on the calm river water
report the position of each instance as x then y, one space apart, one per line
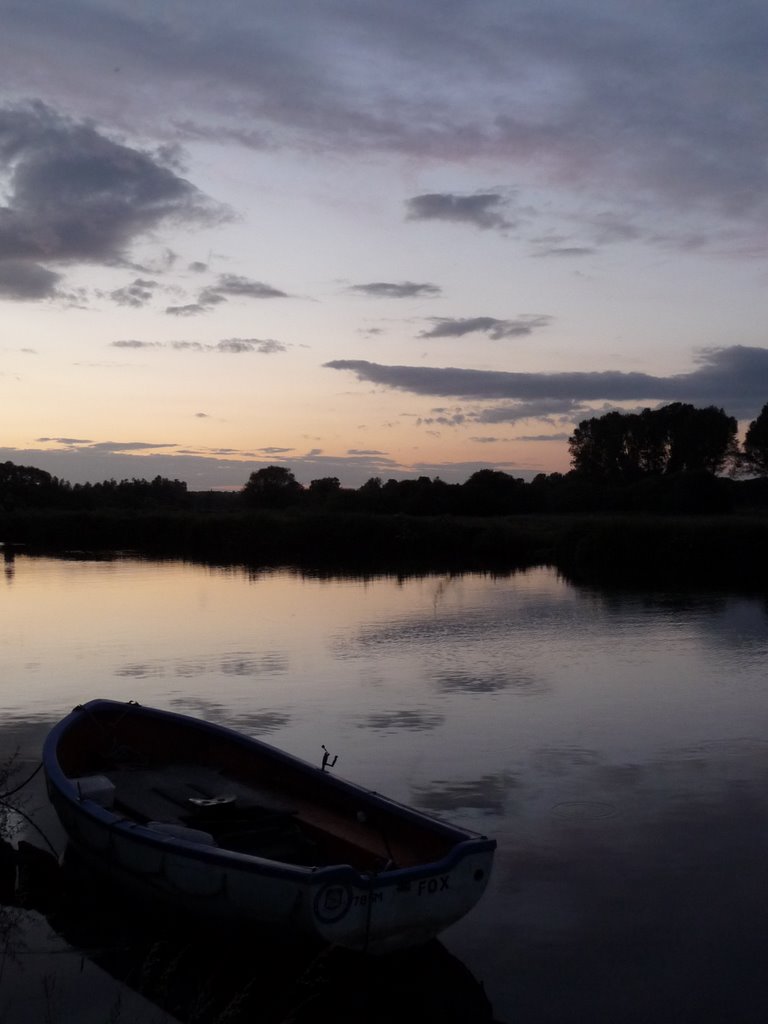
616 746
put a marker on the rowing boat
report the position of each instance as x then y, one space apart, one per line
219 823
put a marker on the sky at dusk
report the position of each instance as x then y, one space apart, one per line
363 238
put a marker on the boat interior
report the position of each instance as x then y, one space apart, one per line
241 800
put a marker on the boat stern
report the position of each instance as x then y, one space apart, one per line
381 913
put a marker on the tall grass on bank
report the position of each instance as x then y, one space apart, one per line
632 550
11 931
699 552
323 541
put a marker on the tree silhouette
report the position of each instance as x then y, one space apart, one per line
325 493
272 487
600 447
325 485
492 492
25 486
676 438
756 444
698 440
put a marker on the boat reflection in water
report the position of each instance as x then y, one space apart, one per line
201 973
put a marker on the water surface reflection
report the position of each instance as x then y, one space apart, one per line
614 745
646 905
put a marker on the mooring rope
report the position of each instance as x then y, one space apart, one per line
23 814
21 785
35 826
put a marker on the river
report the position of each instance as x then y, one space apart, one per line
615 745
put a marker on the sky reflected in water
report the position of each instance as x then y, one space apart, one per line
613 744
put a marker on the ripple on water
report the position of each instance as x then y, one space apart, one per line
584 810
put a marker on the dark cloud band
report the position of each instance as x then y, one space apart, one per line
736 378
448 327
484 210
394 290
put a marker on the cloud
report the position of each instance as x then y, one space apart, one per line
105 446
542 437
74 195
242 287
566 251
735 378
134 343
63 440
554 410
82 461
402 290
229 346
136 294
128 446
198 132
227 285
264 346
661 102
442 418
25 280
191 309
483 209
448 327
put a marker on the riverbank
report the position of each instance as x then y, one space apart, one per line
701 551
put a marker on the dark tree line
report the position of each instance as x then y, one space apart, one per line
27 487
670 459
487 492
665 460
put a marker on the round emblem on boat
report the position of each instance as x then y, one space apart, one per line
332 902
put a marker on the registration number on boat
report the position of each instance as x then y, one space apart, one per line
429 886
366 898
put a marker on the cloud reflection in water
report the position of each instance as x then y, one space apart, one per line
394 721
235 664
255 723
488 794
488 681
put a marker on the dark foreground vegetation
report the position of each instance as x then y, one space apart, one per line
713 550
648 503
702 551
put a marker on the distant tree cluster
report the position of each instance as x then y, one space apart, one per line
27 487
487 492
132 494
272 487
677 438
